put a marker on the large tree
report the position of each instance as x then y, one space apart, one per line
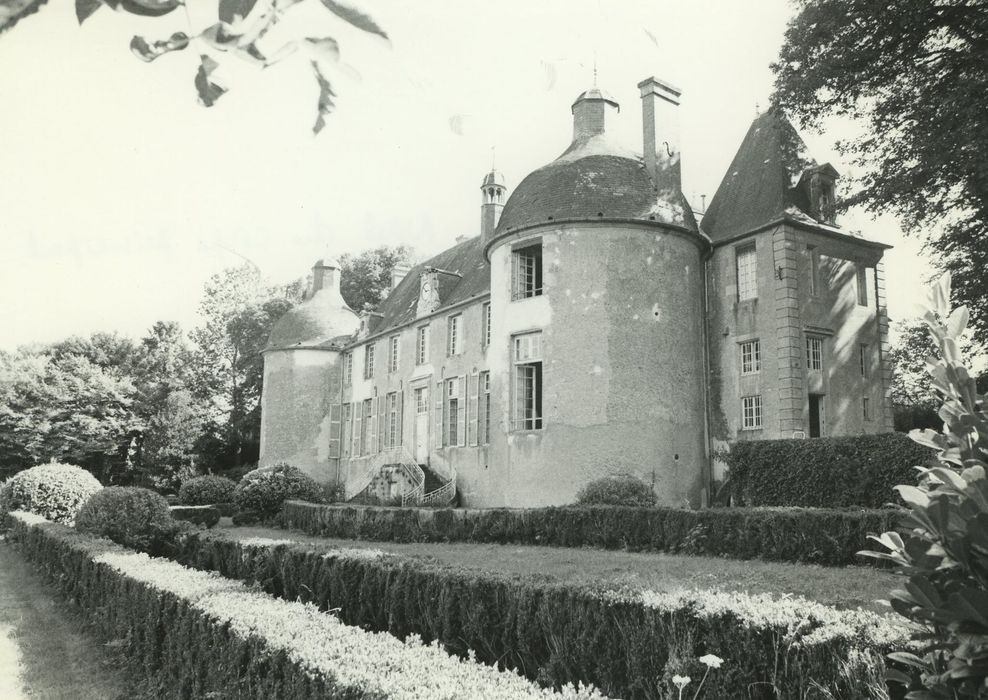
366 277
913 74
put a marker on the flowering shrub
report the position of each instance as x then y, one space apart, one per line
942 543
617 490
264 490
54 491
258 646
206 491
131 516
629 643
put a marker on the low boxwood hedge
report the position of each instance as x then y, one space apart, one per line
857 470
829 537
628 643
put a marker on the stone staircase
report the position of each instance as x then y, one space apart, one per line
414 484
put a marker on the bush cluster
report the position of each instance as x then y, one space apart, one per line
617 490
818 536
838 472
54 491
264 490
627 643
192 634
206 491
134 517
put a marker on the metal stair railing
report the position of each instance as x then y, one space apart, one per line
375 463
445 494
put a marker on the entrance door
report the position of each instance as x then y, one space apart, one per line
817 415
422 425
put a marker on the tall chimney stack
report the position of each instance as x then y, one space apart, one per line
326 275
660 127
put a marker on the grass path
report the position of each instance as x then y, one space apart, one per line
848 587
45 652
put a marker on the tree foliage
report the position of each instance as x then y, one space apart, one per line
242 28
366 276
914 73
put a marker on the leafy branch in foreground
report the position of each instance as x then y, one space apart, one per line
243 29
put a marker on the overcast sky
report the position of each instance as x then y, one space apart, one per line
120 195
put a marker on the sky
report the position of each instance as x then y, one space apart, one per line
120 195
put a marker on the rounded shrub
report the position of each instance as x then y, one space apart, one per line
55 491
617 490
206 491
128 515
264 490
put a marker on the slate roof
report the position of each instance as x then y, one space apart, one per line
466 258
322 321
760 185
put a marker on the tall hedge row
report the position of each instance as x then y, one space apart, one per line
829 537
553 632
837 472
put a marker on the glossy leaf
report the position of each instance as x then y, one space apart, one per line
230 10
145 8
207 86
84 9
355 17
148 52
326 95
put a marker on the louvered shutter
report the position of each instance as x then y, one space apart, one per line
372 428
382 427
461 413
440 426
358 428
401 417
472 410
335 413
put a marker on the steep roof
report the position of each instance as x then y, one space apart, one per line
759 187
466 258
321 321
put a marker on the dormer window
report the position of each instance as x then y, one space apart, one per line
819 192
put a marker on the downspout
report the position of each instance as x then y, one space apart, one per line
708 461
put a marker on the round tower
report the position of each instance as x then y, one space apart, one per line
597 339
302 379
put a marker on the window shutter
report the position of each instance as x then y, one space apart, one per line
401 418
382 427
335 412
461 413
440 426
358 427
472 407
372 428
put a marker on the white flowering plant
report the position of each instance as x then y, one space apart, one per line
55 491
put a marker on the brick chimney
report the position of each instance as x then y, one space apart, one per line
660 128
591 112
326 275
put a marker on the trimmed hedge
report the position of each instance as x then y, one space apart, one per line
55 491
192 634
129 515
829 537
838 472
627 643
206 490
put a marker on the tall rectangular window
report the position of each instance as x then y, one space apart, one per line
394 349
814 270
863 358
747 269
527 381
392 420
751 357
861 275
454 336
484 409
526 272
346 437
365 426
866 408
347 369
751 412
369 361
422 345
452 414
485 324
814 352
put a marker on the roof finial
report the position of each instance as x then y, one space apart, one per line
595 69
493 156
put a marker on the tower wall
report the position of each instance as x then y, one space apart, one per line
622 332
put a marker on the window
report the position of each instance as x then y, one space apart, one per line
863 359
422 345
751 413
347 429
484 409
751 357
814 352
454 336
365 427
866 408
394 347
485 324
747 269
527 381
526 272
392 421
348 369
861 274
814 270
369 361
453 408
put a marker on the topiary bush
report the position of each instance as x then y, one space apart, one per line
206 491
264 490
131 516
54 491
617 490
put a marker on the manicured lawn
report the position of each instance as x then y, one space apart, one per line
45 651
848 587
